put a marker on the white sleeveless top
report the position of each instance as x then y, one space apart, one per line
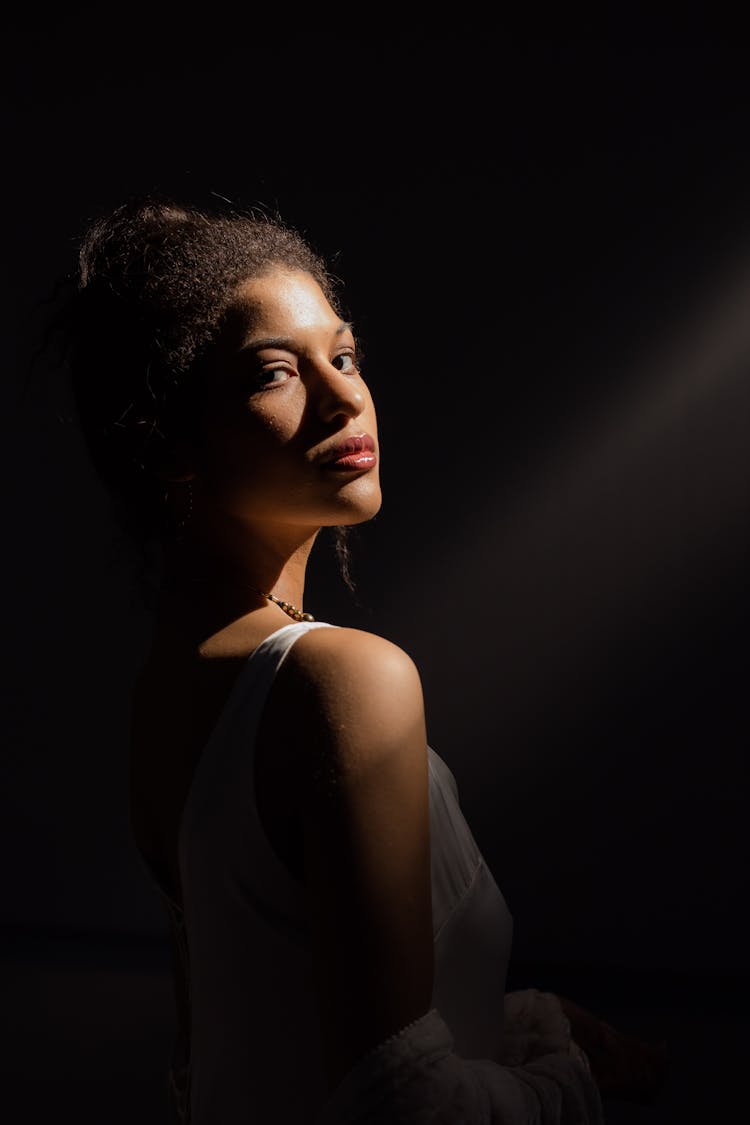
255 1053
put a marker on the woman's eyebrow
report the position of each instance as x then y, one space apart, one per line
285 343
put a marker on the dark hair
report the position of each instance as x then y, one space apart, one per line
153 284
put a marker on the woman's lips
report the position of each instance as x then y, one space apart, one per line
353 453
349 461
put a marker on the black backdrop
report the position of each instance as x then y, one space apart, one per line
545 243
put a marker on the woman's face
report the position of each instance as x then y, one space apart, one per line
283 390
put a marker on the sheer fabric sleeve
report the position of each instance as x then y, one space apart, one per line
416 1078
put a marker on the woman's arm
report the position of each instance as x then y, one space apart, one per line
362 747
357 731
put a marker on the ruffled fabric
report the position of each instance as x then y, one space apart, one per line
415 1077
535 1025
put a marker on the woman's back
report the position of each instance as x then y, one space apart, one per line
256 1027
177 701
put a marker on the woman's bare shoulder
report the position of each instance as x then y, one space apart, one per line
354 693
342 636
320 646
347 661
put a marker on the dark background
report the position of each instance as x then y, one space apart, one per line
546 245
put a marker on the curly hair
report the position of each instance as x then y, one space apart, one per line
153 284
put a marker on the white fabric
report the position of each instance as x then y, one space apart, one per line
416 1078
244 938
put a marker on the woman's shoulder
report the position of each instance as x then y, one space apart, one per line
344 660
329 643
351 692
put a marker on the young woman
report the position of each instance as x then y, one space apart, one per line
340 946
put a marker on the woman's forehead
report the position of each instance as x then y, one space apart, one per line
278 303
281 302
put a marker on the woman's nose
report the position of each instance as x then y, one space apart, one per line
337 392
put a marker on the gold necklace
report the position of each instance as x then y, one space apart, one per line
289 609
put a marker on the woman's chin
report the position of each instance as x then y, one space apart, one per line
357 507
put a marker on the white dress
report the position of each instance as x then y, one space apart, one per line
254 1054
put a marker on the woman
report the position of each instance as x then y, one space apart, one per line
340 947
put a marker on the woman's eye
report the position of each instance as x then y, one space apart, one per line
271 377
344 362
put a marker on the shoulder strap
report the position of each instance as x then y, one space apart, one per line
274 649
